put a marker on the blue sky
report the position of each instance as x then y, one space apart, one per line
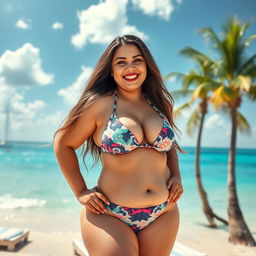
48 49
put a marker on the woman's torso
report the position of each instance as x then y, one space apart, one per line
137 178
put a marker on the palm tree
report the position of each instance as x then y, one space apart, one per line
204 83
236 74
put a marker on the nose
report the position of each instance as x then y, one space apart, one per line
129 65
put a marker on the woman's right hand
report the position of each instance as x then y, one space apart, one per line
93 199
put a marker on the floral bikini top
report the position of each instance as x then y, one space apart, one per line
118 139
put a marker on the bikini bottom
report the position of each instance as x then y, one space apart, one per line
136 218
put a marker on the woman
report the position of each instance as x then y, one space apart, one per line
125 116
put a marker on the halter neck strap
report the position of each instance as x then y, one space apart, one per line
115 103
154 107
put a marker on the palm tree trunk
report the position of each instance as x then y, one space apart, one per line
210 215
238 230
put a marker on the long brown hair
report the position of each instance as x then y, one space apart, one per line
102 83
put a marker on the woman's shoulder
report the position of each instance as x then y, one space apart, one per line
100 105
102 102
103 107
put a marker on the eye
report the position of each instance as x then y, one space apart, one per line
138 61
120 62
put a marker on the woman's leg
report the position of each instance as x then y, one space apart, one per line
107 235
159 237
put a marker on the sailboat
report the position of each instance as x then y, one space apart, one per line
5 143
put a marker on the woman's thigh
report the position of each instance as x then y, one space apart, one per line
107 235
159 237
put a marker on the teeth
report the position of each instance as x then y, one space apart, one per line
131 77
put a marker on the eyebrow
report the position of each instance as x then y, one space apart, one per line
125 57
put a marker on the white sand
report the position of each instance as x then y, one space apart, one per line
52 236
214 242
44 244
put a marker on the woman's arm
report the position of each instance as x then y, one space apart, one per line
174 183
69 166
67 141
173 162
172 156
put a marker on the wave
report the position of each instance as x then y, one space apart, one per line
9 202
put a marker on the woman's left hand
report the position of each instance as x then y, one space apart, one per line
175 189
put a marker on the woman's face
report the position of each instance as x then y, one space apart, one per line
129 68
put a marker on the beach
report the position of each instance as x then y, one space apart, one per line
54 234
34 195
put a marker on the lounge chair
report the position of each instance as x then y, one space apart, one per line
79 248
10 237
178 249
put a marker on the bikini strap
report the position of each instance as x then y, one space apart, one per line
115 103
154 107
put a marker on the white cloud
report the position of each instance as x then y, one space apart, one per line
72 93
103 22
214 121
22 113
22 68
27 120
57 26
54 119
23 24
40 127
27 110
161 8
6 93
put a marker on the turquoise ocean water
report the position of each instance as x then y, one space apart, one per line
31 182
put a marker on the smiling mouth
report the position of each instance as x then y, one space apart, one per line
131 78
